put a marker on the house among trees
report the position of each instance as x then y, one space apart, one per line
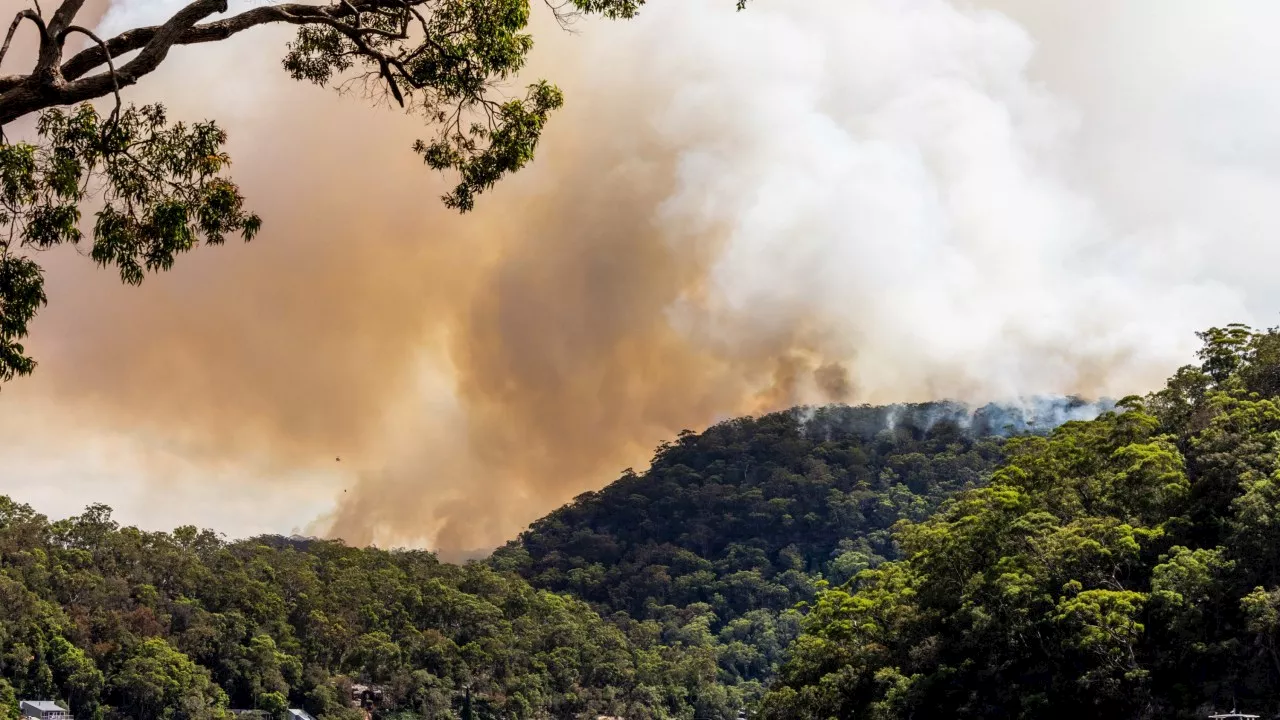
44 710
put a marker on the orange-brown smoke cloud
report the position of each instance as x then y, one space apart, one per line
646 275
546 310
566 365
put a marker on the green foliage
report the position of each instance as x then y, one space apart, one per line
21 296
157 682
8 702
159 188
1120 568
511 133
121 623
79 679
445 70
729 529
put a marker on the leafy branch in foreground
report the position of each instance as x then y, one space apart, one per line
159 186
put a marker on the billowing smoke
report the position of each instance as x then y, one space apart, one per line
862 201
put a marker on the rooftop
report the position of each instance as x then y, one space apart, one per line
45 705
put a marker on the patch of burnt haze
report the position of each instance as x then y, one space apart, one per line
1033 415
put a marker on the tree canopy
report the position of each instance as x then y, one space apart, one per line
894 562
729 529
120 623
1120 568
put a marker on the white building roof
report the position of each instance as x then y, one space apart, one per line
44 705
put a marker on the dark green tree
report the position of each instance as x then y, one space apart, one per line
715 544
158 682
80 680
1120 568
8 702
131 625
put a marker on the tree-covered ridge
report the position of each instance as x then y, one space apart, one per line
120 623
729 529
1127 567
745 515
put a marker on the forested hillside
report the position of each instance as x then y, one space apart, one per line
904 562
1122 568
119 623
729 529
698 565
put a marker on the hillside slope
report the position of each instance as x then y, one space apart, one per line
1123 568
730 528
124 624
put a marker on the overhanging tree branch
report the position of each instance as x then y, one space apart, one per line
48 87
162 186
130 40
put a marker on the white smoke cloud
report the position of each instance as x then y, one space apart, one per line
894 169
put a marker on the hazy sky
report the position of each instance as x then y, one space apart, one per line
870 200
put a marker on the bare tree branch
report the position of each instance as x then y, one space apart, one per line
130 40
154 52
48 86
64 15
115 87
64 85
13 28
565 13
47 71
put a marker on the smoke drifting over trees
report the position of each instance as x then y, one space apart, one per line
870 201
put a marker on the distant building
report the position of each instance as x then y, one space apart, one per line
44 710
299 715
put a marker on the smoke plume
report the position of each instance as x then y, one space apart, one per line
837 200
